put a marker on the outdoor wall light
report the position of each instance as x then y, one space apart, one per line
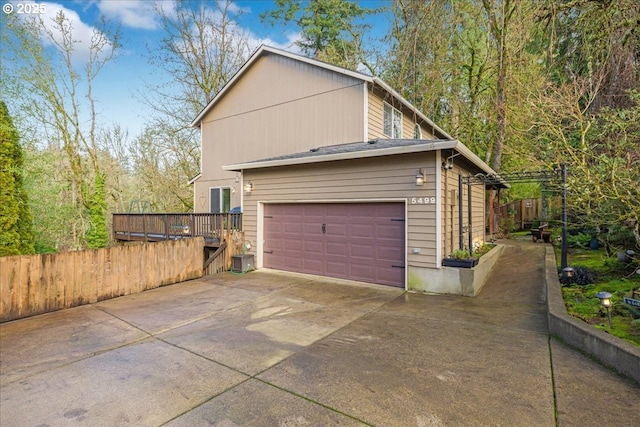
248 187
447 164
420 179
605 301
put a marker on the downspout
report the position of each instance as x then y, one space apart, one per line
439 207
470 214
460 215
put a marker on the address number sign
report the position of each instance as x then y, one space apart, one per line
423 200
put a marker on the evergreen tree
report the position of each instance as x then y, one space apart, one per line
97 235
16 235
329 28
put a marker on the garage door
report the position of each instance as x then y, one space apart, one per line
360 241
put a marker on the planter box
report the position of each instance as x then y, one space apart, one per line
460 263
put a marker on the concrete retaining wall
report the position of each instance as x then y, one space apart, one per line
609 350
452 280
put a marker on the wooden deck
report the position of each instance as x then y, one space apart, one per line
155 227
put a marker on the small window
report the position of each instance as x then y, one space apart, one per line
392 122
417 132
220 200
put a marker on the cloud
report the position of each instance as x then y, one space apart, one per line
132 13
234 8
83 35
289 45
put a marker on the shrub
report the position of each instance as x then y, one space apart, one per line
460 254
581 240
582 276
482 249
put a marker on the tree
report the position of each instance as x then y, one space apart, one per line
596 40
53 72
500 14
16 234
201 50
328 28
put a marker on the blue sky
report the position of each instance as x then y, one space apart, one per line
118 86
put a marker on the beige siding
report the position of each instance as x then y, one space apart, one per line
375 114
450 210
478 207
279 106
389 178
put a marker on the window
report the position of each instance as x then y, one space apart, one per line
417 132
220 200
392 122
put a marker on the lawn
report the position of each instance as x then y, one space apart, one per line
612 276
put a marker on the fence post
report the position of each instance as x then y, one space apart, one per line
144 227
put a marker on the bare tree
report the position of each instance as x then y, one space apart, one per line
201 49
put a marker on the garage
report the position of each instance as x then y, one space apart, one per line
354 241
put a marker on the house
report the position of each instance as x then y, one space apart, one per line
336 174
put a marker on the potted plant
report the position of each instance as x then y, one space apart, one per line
460 258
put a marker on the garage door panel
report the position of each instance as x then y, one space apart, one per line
359 242
312 248
363 272
292 245
337 269
334 230
390 210
292 263
362 251
388 253
390 276
366 231
391 230
313 266
337 249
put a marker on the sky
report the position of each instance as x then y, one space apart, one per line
120 85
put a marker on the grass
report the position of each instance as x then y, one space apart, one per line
611 276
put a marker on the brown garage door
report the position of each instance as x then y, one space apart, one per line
359 241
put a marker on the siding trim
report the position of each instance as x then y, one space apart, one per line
365 104
439 205
259 233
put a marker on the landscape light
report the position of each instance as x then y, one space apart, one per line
568 272
605 301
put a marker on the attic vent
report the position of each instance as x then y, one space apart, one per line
313 150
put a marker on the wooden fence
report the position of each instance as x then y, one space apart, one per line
36 284
526 211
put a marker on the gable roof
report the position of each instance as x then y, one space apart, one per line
265 50
373 148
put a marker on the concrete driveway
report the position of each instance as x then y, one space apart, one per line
279 349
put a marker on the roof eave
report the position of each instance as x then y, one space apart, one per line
473 158
439 145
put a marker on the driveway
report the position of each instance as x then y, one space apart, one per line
278 349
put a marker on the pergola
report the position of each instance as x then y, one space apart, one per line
554 179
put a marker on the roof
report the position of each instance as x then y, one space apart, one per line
373 148
265 50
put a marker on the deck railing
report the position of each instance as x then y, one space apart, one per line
154 227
